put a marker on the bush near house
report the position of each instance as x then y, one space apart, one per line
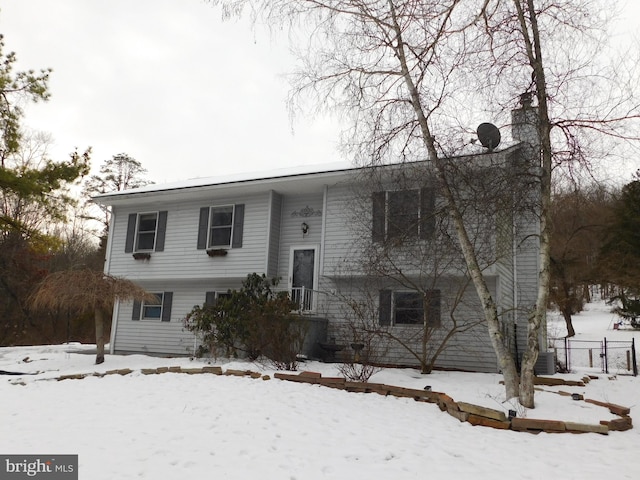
254 321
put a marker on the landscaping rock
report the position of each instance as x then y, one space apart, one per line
192 371
488 422
212 369
532 424
482 411
618 424
613 408
454 412
584 428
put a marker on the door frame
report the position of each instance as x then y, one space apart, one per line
316 263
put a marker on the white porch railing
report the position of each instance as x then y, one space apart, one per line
304 298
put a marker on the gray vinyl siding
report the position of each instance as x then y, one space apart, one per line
470 350
155 336
181 259
527 278
164 338
275 216
293 211
342 227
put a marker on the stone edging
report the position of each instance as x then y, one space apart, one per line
474 414
465 412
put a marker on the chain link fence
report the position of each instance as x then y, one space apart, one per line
616 357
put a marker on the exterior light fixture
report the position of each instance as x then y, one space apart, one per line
304 227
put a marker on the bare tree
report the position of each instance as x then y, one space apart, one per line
411 261
406 73
121 172
579 219
84 291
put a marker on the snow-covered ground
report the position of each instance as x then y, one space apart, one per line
176 426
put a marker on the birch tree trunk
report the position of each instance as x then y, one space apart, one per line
99 321
527 17
489 308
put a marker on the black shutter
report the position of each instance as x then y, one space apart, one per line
203 225
210 298
384 308
161 230
378 204
131 233
137 306
427 213
434 308
238 226
167 300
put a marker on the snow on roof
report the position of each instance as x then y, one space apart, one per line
273 174
236 178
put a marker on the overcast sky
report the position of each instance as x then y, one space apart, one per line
169 83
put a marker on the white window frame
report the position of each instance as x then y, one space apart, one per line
394 307
210 227
138 232
144 304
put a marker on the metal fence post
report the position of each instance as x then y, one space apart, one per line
606 360
633 357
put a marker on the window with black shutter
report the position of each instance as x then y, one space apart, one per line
408 308
404 214
146 232
158 309
221 227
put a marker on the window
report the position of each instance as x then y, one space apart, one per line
159 309
211 298
407 308
221 227
146 232
153 310
403 214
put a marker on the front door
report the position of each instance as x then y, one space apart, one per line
303 276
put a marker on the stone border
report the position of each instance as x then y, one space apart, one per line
464 412
474 414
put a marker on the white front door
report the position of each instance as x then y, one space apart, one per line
303 276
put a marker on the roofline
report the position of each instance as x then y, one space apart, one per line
262 177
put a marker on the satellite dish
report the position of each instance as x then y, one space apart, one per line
489 135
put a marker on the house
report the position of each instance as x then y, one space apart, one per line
321 233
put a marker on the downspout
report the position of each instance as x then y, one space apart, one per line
514 260
107 268
269 231
325 194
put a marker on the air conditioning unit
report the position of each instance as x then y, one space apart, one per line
546 364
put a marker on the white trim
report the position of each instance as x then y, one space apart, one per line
323 232
114 326
268 240
142 305
107 254
233 221
155 233
316 250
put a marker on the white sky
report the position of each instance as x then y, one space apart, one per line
168 83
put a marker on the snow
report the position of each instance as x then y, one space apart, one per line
174 425
256 176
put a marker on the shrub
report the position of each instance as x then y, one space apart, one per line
254 320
